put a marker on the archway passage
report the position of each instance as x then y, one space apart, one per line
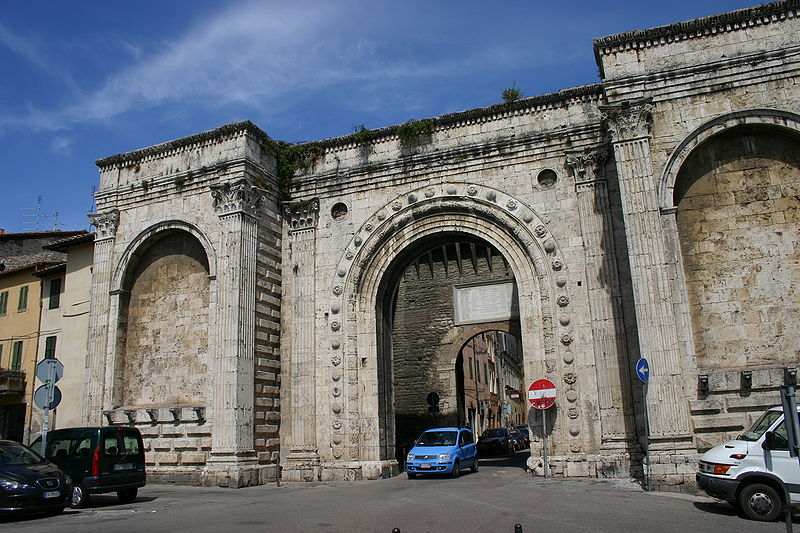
738 208
439 294
164 322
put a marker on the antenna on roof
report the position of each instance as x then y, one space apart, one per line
33 217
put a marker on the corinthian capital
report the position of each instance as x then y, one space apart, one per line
301 215
587 165
235 197
105 224
628 121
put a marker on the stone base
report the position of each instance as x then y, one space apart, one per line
236 475
301 465
358 470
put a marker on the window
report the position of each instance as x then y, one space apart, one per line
485 374
471 375
16 355
3 302
55 293
1 356
50 347
477 372
23 298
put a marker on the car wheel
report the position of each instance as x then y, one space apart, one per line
760 502
474 467
456 469
79 498
410 475
127 495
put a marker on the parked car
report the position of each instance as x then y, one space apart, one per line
524 435
754 471
496 440
30 483
99 460
442 451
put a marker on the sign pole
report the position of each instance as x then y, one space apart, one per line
643 373
544 442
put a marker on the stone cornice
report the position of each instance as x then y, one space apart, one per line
724 22
232 129
479 114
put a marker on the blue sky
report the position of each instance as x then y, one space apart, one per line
85 79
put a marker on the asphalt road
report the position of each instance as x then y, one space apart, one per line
501 495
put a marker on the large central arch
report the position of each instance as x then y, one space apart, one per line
488 214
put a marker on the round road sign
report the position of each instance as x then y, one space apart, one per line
40 398
542 394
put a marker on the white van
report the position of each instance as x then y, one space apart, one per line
753 472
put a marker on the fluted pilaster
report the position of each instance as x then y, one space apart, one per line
629 126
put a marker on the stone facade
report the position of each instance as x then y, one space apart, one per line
637 217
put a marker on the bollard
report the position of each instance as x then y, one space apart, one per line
518 528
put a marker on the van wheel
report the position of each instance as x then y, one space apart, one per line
760 502
410 475
127 495
79 498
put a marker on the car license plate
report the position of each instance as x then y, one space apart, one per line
52 494
123 466
424 465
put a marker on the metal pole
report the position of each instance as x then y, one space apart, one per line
45 423
646 438
544 441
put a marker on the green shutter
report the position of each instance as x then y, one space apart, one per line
3 302
23 298
50 347
55 293
16 355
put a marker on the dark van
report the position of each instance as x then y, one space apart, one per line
100 460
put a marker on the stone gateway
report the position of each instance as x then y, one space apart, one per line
263 310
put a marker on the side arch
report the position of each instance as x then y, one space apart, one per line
767 117
137 244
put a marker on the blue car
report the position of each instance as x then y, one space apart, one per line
442 451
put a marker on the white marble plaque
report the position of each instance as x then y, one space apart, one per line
485 302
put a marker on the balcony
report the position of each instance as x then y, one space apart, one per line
12 382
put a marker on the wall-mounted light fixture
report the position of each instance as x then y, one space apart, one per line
702 385
746 378
790 376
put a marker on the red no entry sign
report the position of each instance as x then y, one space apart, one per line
542 394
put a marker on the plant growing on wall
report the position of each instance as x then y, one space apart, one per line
288 159
512 94
362 135
413 131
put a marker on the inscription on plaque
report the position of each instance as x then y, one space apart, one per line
485 302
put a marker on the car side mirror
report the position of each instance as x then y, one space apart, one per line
769 441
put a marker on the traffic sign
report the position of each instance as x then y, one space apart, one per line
48 369
643 370
542 394
43 401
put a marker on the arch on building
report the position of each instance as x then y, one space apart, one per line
475 211
143 239
785 120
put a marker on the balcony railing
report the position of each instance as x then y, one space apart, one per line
12 382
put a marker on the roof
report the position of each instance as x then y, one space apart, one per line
65 244
50 270
36 267
40 234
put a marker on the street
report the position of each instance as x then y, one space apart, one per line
493 500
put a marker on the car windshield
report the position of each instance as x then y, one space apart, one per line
760 426
437 438
12 453
496 432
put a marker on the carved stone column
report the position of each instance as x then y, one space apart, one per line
605 300
232 461
303 462
629 126
102 271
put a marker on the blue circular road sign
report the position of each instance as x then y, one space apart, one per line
643 369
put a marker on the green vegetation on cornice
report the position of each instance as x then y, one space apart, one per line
288 159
